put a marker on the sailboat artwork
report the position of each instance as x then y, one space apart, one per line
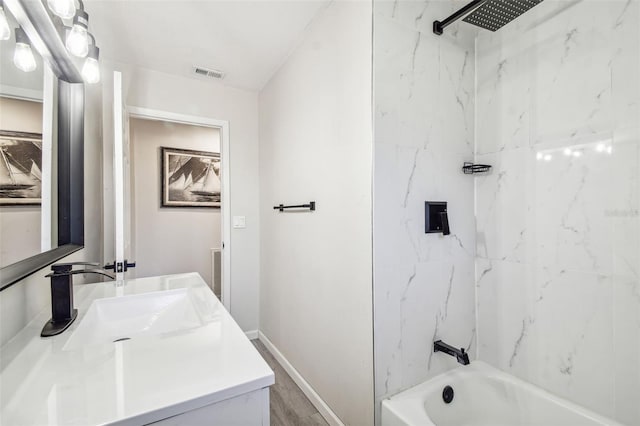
190 178
20 168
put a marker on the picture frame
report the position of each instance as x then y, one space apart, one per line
20 168
190 178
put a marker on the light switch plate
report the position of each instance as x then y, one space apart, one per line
239 222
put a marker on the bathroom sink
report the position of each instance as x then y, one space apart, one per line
123 318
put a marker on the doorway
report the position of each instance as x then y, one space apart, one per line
192 236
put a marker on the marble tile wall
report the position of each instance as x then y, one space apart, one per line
558 223
552 101
424 131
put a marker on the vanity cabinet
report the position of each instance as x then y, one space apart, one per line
250 409
159 350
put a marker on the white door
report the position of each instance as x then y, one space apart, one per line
123 265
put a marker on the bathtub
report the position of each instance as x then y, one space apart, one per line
483 396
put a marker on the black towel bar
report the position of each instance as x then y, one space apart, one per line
311 206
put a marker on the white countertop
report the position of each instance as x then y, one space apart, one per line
136 381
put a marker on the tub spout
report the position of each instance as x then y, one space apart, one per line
459 354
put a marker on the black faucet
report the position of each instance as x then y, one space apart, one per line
62 311
459 354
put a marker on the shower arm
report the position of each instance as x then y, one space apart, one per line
439 26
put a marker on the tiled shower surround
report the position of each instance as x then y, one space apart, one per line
541 270
558 260
424 130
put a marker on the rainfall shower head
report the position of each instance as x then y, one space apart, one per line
494 14
488 14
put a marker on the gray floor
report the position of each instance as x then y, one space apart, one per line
289 406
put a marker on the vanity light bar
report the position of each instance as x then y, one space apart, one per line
79 41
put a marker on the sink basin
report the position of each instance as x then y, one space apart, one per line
123 318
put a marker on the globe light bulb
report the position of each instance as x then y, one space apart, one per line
5 31
66 9
78 38
23 56
91 67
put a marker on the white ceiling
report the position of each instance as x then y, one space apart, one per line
248 40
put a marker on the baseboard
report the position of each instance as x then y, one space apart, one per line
306 388
251 334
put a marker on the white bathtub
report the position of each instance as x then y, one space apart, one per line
483 396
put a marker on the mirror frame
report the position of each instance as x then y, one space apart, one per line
37 22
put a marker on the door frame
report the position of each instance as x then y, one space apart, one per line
223 127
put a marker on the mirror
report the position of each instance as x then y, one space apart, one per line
43 158
26 143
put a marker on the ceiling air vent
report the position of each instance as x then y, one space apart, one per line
204 72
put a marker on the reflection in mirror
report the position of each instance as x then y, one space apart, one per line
63 116
26 150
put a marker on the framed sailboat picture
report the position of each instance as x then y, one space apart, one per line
20 168
190 178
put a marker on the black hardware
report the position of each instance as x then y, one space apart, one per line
459 354
494 14
436 219
62 311
488 14
65 267
78 272
444 220
120 267
311 206
439 26
447 394
471 168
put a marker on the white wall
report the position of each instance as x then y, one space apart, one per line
170 240
19 225
315 144
559 235
192 96
25 299
424 124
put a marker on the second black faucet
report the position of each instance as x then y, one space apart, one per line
459 354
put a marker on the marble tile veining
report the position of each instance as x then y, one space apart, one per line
542 270
424 128
558 229
545 249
